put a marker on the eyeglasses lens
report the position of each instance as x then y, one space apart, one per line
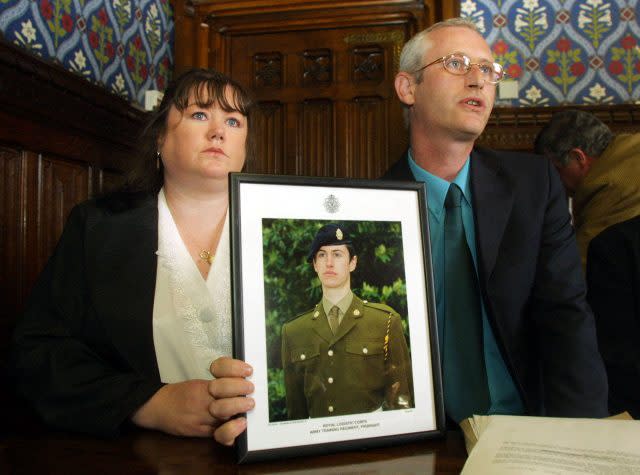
460 64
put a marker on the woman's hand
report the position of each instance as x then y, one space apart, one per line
228 391
201 408
178 409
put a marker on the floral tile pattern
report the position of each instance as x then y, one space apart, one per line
564 51
560 51
125 46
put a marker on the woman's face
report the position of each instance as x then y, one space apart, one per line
203 143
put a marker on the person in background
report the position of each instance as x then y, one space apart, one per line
613 282
345 355
515 331
130 321
599 171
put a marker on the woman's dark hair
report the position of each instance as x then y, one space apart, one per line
207 87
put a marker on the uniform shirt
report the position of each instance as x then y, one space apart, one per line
343 305
503 393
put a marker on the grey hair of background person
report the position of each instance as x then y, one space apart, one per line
414 50
572 129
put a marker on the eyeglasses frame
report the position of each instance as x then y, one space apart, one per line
442 59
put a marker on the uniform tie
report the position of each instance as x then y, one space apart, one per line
333 319
464 373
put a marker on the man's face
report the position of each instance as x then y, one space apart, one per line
573 173
447 106
333 266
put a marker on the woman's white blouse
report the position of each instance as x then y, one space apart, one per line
191 316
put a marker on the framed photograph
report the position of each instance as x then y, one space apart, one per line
334 308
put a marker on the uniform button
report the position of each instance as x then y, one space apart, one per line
330 379
330 408
303 356
364 350
330 352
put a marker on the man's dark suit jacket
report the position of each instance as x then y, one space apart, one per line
83 352
532 283
613 281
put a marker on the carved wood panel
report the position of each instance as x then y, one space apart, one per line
311 65
61 185
317 88
270 119
366 123
62 139
11 224
316 139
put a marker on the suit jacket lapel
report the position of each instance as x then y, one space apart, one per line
128 279
492 202
400 170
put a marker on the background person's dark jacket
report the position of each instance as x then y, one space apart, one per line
613 280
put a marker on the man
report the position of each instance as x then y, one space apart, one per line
599 171
613 280
516 334
346 355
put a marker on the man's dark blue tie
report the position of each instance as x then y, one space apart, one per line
464 373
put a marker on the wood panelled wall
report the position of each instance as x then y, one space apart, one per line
62 140
322 72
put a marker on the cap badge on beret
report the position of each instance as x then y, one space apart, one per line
339 234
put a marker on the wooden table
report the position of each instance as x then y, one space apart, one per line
28 447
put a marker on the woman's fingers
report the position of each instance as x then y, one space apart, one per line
230 387
226 367
226 434
224 409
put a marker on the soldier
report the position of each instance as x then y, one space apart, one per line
346 355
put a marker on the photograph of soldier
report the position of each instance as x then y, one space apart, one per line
345 355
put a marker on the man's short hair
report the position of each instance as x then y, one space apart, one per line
572 129
413 51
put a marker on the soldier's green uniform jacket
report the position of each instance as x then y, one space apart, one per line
351 372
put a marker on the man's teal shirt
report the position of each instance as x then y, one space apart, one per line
504 395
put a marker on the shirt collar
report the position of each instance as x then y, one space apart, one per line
343 304
437 188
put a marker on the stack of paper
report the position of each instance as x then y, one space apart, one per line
550 445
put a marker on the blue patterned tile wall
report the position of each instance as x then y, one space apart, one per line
561 52
564 51
124 45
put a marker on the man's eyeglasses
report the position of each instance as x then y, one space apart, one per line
460 64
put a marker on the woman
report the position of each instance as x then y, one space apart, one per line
134 304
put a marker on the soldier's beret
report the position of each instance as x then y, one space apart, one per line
330 234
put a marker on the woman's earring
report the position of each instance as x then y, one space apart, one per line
157 160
